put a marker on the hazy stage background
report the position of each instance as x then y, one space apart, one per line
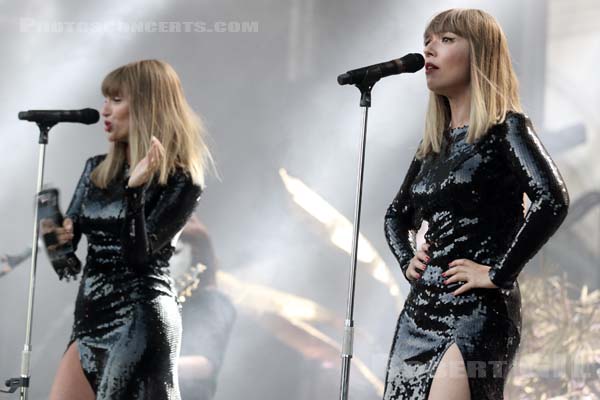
270 100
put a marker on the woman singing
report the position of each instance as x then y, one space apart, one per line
127 328
459 330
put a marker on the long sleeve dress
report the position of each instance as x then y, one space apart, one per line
471 195
127 321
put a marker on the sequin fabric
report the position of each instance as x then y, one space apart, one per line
127 323
471 195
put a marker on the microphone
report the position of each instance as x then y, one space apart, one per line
85 116
409 63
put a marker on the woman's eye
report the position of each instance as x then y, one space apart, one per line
447 39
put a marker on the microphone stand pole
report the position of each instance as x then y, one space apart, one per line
22 383
373 75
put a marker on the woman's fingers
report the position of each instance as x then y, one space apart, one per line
458 277
158 147
422 256
68 225
151 161
461 261
464 288
158 144
413 274
46 225
155 155
63 236
418 262
474 275
158 153
151 158
146 168
415 267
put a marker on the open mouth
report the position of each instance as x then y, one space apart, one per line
430 67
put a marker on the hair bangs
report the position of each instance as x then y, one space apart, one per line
113 84
448 21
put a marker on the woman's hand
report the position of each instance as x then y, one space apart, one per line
474 275
418 263
148 165
62 234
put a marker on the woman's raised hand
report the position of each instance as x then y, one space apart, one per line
148 165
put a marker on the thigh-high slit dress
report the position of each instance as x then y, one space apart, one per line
127 321
471 195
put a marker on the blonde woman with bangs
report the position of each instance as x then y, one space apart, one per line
458 333
131 204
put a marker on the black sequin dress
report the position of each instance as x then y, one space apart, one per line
471 195
127 319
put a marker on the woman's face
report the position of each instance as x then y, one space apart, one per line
447 63
115 112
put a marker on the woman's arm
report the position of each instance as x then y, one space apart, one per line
74 210
399 220
537 176
64 261
143 237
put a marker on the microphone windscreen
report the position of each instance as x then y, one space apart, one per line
89 116
412 62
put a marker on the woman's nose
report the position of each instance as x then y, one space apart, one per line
428 51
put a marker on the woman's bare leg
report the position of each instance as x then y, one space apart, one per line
450 381
70 383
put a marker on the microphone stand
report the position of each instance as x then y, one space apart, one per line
373 75
22 383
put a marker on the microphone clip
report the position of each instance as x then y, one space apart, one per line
373 75
45 127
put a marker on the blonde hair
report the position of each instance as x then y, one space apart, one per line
157 107
494 84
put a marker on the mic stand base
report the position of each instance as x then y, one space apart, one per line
14 383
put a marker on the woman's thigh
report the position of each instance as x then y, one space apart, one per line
70 382
450 381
